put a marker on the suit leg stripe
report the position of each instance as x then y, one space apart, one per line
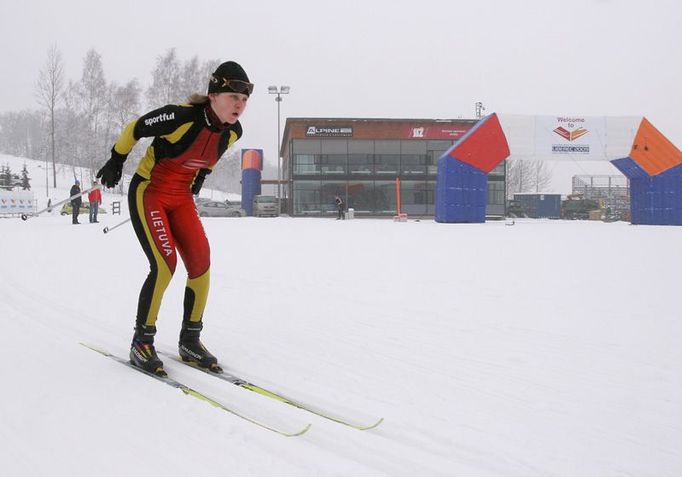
196 293
161 274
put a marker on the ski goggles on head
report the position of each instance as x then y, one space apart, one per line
236 86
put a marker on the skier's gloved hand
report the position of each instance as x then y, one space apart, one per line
199 180
112 170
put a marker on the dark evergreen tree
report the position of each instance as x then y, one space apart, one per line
6 177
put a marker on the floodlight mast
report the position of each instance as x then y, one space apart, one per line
279 92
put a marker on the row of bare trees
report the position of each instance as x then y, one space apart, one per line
78 121
527 176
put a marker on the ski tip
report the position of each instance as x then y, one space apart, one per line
215 369
301 432
160 372
373 426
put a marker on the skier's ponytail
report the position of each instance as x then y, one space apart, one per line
197 99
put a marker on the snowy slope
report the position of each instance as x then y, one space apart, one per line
65 178
543 348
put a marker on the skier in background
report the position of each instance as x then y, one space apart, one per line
75 203
95 200
189 139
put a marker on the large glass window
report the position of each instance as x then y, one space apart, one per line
384 197
432 162
306 146
361 196
333 163
307 198
413 197
435 149
496 192
430 197
361 146
412 157
386 157
360 163
387 163
317 197
306 164
498 170
413 164
328 192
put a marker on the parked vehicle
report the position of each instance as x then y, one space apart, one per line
85 209
577 207
515 209
265 206
219 209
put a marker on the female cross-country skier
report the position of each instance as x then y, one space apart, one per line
189 139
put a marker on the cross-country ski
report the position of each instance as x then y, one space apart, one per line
232 379
197 394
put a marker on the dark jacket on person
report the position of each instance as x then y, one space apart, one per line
75 189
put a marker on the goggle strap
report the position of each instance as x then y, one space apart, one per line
231 83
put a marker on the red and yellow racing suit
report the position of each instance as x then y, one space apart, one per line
187 138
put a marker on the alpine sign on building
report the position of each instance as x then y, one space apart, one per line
326 131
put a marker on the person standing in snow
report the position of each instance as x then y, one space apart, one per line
189 139
340 206
75 203
95 199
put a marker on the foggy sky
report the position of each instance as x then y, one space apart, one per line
375 58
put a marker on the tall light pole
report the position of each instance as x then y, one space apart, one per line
479 110
279 92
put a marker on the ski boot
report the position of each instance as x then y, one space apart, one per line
142 352
191 349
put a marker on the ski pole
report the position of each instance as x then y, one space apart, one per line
109 229
49 209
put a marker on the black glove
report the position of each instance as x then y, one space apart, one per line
113 169
199 180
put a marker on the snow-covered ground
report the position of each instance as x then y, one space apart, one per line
543 348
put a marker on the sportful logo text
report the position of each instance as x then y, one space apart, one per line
159 118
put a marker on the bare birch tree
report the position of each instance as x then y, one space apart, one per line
124 107
49 90
166 81
92 93
173 81
527 176
194 76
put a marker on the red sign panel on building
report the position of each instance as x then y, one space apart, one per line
445 131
